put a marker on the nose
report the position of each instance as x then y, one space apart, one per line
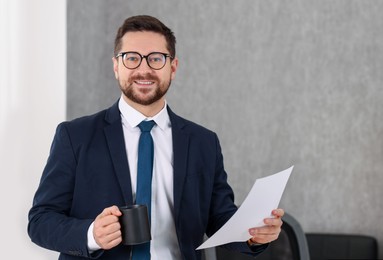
144 66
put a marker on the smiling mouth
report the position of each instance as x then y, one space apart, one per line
144 82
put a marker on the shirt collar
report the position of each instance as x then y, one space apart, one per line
133 117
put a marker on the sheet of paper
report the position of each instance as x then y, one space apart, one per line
263 197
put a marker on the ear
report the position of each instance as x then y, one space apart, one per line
174 66
115 67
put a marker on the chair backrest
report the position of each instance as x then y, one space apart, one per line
342 246
290 245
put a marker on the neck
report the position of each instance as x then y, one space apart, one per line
147 110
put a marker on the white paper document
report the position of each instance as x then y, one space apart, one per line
261 200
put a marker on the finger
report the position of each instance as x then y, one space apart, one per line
112 228
108 216
278 213
264 235
113 243
113 210
107 237
267 230
264 238
109 241
270 223
108 224
102 222
273 222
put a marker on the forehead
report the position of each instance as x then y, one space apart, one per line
144 42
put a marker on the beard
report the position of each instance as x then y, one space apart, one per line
142 96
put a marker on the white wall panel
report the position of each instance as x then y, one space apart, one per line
32 103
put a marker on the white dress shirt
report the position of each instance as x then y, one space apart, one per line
164 243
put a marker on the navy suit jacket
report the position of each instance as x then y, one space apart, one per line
87 171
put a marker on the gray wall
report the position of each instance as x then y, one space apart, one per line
281 82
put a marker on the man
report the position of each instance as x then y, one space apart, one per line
92 168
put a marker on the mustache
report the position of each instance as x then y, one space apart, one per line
147 76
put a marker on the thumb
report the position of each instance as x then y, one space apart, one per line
113 210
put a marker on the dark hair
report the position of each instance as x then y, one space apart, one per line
142 23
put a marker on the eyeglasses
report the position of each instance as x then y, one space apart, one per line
132 60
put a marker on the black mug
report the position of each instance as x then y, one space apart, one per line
135 227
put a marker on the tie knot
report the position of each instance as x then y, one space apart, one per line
146 126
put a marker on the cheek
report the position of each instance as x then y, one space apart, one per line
123 75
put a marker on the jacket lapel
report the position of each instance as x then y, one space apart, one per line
116 143
180 152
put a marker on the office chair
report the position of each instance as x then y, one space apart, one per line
290 245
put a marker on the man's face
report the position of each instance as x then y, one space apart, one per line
144 85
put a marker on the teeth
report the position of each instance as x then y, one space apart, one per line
144 82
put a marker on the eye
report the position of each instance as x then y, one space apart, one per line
131 57
156 58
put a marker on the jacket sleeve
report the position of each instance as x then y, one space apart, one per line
223 198
50 224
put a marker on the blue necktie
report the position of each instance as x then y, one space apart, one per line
144 181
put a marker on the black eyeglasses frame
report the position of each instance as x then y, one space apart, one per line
166 55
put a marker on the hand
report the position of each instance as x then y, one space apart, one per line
106 228
270 231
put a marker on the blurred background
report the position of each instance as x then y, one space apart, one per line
281 82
